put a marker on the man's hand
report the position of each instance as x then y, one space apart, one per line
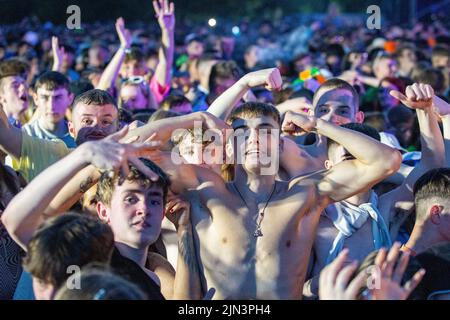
296 123
178 211
123 33
418 96
110 155
390 279
165 13
334 280
58 54
269 78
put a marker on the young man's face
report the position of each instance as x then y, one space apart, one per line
385 68
133 98
133 68
195 49
14 94
256 143
408 57
223 84
90 122
441 62
135 213
337 106
53 103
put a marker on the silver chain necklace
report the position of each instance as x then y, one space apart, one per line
257 233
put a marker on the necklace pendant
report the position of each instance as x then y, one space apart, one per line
257 233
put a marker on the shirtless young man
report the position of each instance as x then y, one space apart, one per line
238 264
392 207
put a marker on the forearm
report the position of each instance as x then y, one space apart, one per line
225 103
24 214
165 54
365 149
165 128
187 278
370 81
110 73
72 191
433 149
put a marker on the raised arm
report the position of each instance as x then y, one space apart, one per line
442 108
25 212
111 71
419 97
165 13
187 278
373 161
10 137
226 102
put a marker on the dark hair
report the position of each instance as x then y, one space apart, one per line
440 51
223 70
432 76
100 283
173 100
80 86
66 240
94 97
52 80
106 184
253 110
399 115
11 68
135 54
433 184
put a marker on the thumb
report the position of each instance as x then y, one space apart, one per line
120 134
398 95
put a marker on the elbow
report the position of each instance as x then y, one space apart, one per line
391 164
8 223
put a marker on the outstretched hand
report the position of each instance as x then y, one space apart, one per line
389 278
334 281
110 155
123 33
417 96
165 13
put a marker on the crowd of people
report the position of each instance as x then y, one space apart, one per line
167 161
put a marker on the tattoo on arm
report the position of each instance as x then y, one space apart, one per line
186 250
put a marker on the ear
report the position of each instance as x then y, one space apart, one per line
71 96
435 214
35 97
71 128
102 212
359 118
328 164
